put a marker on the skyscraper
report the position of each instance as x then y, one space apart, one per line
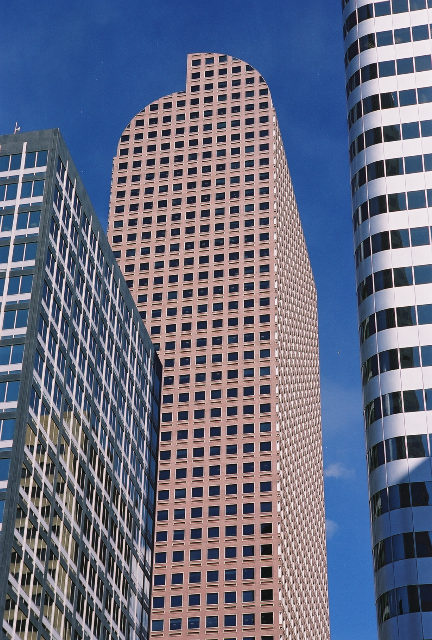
79 411
389 89
204 224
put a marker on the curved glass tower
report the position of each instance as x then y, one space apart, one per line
205 227
389 90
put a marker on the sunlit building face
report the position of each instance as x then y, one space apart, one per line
388 59
204 225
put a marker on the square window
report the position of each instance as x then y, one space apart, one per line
176 601
194 599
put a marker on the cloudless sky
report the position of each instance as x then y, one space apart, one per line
89 67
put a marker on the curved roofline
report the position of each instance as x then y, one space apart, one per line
168 95
183 91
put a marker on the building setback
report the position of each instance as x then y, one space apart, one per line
204 224
79 411
389 88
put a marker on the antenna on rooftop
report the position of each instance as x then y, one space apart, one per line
17 128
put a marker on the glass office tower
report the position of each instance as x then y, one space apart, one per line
204 224
79 412
389 90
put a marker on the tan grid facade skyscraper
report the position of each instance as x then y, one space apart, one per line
204 224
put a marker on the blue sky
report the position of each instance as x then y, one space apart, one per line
87 68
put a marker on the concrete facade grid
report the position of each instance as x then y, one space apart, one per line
204 224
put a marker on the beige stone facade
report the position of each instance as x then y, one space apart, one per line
204 224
